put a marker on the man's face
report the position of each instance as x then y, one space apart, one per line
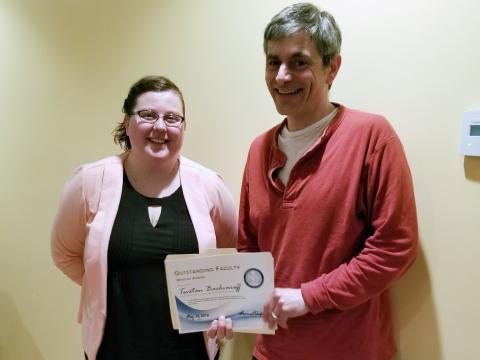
297 79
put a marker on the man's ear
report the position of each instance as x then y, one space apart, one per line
333 69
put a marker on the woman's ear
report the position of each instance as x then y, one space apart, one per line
126 122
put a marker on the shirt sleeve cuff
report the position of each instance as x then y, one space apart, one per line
316 296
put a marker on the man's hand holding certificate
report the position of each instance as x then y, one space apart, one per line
203 287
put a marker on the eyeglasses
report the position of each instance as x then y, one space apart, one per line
151 117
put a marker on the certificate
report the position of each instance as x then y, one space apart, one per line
203 287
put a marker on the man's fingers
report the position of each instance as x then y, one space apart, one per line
282 322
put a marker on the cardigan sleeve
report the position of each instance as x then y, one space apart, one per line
390 249
70 228
224 216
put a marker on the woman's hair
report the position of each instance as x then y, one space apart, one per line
155 83
304 17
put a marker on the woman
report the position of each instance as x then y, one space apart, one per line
120 216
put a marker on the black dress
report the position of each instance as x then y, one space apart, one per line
138 324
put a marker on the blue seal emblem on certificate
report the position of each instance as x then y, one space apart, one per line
253 278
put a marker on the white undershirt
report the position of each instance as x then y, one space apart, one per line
295 143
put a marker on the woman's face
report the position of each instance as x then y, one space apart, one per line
155 141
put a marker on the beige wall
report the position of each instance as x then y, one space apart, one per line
66 65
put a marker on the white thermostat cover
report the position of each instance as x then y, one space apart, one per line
470 141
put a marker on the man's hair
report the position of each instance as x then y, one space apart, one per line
304 17
155 83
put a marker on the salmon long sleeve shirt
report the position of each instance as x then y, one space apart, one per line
342 229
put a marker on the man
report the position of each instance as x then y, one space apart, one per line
329 193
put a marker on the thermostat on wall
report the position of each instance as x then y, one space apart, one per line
470 142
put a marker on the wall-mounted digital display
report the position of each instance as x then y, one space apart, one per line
475 130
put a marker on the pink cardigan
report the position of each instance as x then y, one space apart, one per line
82 227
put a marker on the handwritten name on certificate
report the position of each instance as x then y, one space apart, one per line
203 287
